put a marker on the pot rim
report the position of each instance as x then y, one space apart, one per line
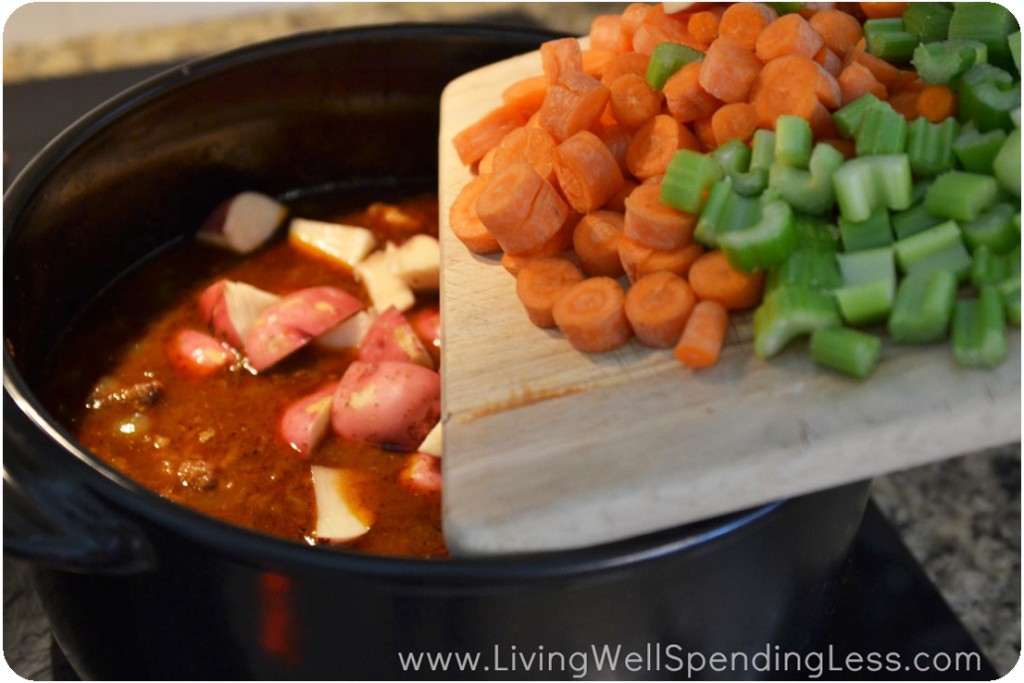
238 542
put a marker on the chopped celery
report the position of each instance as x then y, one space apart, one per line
725 211
882 131
849 351
809 191
815 232
988 95
1013 42
923 307
889 39
930 145
876 231
1011 301
688 176
929 21
988 23
806 267
938 248
848 118
793 140
914 220
1006 164
943 61
768 242
736 159
961 195
789 312
979 329
993 229
987 268
866 183
866 303
862 267
976 151
666 59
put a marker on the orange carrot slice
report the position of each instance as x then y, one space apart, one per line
936 102
560 57
595 240
788 35
685 99
526 94
712 277
657 307
590 314
840 30
744 22
572 104
639 260
625 63
735 121
606 33
701 342
633 101
587 172
531 144
729 70
856 80
540 282
466 224
655 225
521 209
472 142
655 143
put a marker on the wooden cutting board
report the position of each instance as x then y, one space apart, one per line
547 448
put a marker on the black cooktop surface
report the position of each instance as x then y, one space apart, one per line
891 622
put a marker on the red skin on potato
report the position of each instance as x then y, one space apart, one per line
197 354
304 423
421 473
426 322
391 337
391 403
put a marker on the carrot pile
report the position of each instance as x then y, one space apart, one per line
569 166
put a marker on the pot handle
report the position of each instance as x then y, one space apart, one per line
52 519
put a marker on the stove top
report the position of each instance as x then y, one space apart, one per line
891 623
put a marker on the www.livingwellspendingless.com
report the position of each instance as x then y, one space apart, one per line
659 658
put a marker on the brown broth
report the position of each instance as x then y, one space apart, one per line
212 443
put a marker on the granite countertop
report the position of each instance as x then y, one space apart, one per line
961 518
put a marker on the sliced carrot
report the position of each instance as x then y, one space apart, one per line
829 61
886 73
704 131
712 277
472 142
883 10
905 103
729 70
587 172
617 138
590 314
606 33
466 224
632 16
700 344
657 307
795 85
788 35
658 27
846 146
572 104
486 164
534 145
823 127
556 245
540 282
744 22
936 102
639 260
655 143
559 57
617 202
596 242
521 209
595 61
840 30
703 25
526 94
654 224
856 80
633 101
735 121
625 63
685 98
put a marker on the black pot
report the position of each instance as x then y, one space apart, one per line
138 587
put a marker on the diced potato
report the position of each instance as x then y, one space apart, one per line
341 515
244 304
384 287
433 444
348 334
243 222
345 244
417 262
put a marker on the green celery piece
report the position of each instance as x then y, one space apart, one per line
865 183
866 303
785 7
923 308
961 196
815 232
987 268
688 176
810 267
938 248
930 146
914 220
882 131
1011 301
793 140
993 229
724 211
876 231
852 352
668 58
976 151
767 243
988 95
810 191
921 189
888 39
929 21
789 312
941 62
988 23
1015 117
735 158
1006 165
979 329
869 265
1013 42
848 118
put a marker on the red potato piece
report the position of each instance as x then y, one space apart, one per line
342 510
421 474
230 309
289 324
426 323
391 403
391 337
242 223
304 423
197 354
348 333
